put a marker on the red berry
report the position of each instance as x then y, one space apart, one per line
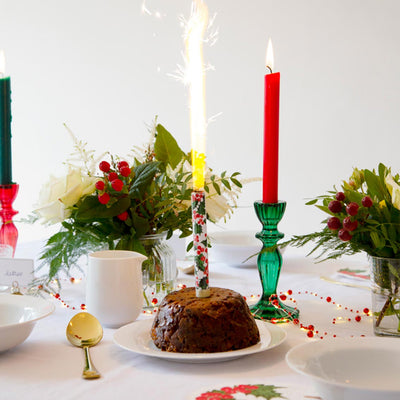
335 206
366 201
125 171
100 185
344 235
310 334
352 208
340 196
104 198
124 216
112 176
122 164
117 184
104 166
283 297
310 327
289 291
329 299
334 223
357 318
350 225
366 310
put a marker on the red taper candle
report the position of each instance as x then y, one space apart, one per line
271 131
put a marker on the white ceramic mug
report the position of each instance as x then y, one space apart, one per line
114 290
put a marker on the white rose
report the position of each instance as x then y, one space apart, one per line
217 207
394 190
58 195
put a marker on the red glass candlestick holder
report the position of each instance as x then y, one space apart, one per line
8 231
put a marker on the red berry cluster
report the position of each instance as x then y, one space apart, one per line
348 217
113 178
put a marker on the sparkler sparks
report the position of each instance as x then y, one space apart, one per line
147 11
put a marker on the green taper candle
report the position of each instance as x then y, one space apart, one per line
5 125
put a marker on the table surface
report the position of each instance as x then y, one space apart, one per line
46 366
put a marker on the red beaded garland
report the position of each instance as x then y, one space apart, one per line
310 329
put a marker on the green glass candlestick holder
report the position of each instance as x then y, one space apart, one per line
269 262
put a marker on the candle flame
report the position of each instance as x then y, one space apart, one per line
2 63
195 73
269 59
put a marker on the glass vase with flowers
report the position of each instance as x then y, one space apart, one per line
364 216
135 203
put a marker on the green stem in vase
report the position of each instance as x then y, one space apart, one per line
146 299
383 311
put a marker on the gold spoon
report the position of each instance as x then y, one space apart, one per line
84 330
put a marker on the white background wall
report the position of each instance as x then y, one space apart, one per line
101 67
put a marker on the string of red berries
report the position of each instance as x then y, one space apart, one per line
349 215
66 305
310 329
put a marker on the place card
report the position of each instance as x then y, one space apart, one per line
16 269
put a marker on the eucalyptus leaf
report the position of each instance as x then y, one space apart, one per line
226 184
236 182
311 202
216 187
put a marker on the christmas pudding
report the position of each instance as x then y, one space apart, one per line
185 323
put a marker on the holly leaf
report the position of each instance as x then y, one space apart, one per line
91 208
144 174
267 392
140 224
166 148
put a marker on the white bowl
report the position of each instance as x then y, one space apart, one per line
234 248
350 368
18 315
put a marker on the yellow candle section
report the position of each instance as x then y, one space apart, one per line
196 79
198 168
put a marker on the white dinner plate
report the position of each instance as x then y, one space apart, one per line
135 337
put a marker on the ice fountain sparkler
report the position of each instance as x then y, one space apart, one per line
195 79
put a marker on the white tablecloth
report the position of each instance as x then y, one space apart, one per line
46 366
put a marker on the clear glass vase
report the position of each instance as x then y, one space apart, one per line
159 270
385 285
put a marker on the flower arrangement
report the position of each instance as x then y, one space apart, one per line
149 192
364 216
